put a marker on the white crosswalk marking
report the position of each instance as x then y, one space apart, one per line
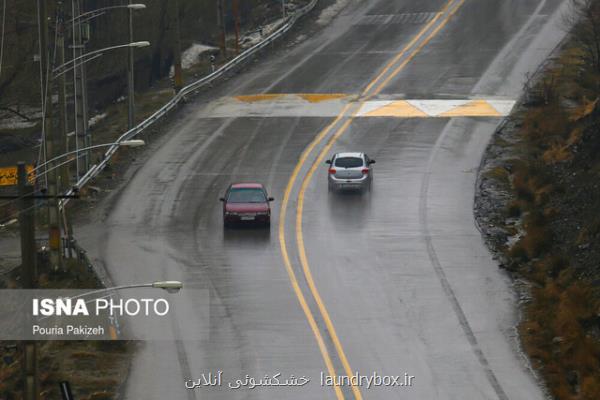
406 18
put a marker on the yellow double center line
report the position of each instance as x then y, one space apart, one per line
379 82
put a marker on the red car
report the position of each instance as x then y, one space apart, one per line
246 202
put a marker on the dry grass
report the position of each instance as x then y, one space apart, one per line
554 337
556 331
557 152
537 240
584 110
545 123
500 174
91 367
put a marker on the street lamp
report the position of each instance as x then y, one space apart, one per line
169 286
136 6
93 54
124 143
73 64
99 11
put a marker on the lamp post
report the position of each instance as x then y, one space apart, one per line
86 16
131 69
130 62
169 286
88 56
73 65
80 103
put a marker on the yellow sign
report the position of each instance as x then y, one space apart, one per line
8 175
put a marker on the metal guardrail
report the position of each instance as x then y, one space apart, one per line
191 88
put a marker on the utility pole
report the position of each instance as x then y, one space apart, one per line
28 273
64 175
236 17
87 138
221 24
82 138
27 228
51 142
283 13
62 94
130 82
178 78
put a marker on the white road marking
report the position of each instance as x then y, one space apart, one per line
302 105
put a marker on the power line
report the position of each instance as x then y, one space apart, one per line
16 214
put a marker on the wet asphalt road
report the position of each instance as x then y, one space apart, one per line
401 273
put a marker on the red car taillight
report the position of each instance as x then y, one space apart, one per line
332 171
365 171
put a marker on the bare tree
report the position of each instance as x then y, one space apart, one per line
19 72
585 19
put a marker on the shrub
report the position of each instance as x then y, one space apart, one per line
537 240
499 174
514 209
518 252
545 123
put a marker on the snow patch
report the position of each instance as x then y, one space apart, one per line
17 124
191 56
96 118
252 38
10 120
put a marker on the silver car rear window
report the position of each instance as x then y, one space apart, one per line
348 162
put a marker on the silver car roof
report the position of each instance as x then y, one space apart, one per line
359 155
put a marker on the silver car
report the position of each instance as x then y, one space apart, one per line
350 171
